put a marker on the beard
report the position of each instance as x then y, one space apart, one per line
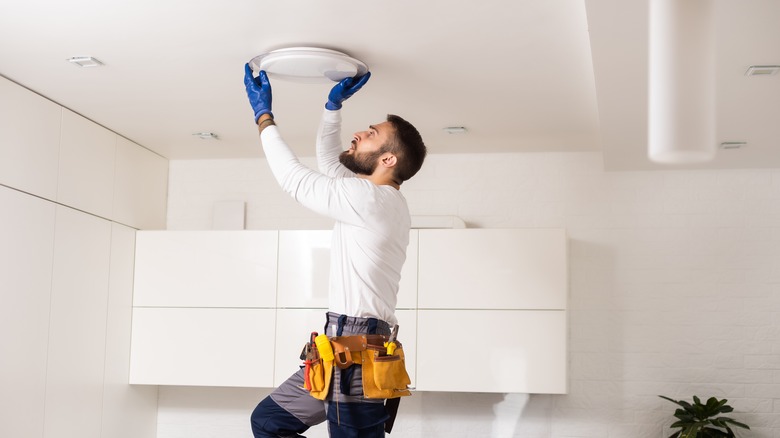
360 163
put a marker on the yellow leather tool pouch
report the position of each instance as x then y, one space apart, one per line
384 376
320 376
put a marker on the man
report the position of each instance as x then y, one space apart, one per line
359 189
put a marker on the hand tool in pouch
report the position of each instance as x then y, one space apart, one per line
308 356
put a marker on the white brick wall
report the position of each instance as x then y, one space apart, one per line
675 290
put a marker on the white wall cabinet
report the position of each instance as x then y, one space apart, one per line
492 310
492 351
203 347
293 328
56 154
31 140
87 162
407 289
204 308
304 270
140 187
492 269
206 269
479 310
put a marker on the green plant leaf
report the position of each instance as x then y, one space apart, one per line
734 422
698 420
691 431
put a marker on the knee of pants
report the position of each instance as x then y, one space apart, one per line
269 420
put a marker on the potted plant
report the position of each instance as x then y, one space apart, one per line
697 420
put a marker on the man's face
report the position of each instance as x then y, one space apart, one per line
366 148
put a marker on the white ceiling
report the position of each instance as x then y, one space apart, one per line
522 76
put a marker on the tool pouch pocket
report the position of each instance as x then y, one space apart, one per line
384 376
319 376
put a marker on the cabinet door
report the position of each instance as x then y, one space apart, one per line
128 412
304 270
492 269
202 347
205 269
492 351
140 187
294 326
86 169
407 289
31 140
26 255
77 329
407 335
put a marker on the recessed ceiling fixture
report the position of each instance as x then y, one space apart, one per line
762 70
85 61
206 135
308 64
681 87
455 130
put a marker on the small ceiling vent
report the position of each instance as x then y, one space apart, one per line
308 64
762 70
85 61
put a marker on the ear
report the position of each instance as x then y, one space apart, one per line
388 160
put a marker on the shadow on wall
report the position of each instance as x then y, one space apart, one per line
476 415
507 415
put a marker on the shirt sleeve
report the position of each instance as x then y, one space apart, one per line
335 197
329 145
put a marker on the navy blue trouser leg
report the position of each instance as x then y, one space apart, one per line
269 420
356 420
288 411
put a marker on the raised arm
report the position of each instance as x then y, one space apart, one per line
329 133
323 194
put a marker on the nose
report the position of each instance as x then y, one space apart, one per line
358 136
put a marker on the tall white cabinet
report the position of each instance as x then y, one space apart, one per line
68 217
77 332
26 257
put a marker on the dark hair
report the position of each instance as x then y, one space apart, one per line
407 144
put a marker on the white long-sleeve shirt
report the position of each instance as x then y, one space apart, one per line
371 233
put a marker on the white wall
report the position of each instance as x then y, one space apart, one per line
72 194
675 290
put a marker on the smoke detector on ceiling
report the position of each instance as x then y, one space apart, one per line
308 64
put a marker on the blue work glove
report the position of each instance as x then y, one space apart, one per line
344 89
258 89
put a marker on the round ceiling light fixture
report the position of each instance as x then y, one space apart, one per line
308 64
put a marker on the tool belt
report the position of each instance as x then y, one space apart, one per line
380 357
